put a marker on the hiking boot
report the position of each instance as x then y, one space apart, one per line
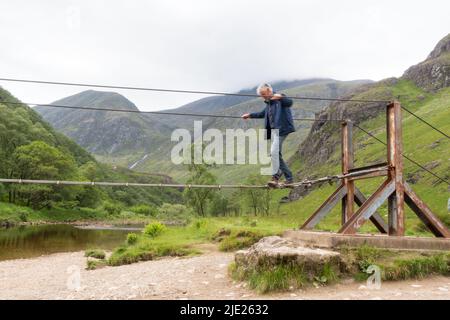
289 181
273 183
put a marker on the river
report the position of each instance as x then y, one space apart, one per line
32 241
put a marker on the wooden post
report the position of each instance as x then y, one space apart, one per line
347 164
396 201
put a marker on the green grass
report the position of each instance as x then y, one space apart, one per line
394 265
95 264
11 214
145 250
282 277
421 143
95 253
418 267
239 239
184 240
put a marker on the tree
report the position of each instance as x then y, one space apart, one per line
258 200
219 205
199 198
38 160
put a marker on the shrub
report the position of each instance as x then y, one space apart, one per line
154 229
132 238
239 239
145 252
68 204
144 209
23 216
112 208
174 213
200 224
94 264
95 253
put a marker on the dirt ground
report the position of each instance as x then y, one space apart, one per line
63 276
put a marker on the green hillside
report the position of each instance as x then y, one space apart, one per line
31 149
142 141
236 173
421 143
105 133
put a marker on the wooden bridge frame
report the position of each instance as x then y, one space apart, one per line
394 189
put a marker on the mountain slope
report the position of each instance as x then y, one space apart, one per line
142 141
434 72
422 89
219 104
104 132
300 109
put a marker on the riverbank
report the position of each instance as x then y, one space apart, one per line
203 277
12 215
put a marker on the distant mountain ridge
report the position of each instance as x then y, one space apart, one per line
103 132
142 141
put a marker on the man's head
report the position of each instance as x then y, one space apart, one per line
265 91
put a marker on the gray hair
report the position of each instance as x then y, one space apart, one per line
263 86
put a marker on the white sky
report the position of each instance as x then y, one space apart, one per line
209 45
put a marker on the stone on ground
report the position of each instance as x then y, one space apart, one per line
274 251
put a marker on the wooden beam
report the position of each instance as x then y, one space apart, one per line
368 208
425 214
347 163
376 218
325 208
396 201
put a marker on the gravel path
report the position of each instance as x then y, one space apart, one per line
202 277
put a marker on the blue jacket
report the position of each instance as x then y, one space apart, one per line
281 115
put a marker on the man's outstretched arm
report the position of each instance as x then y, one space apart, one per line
254 115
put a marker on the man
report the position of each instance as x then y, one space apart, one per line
277 115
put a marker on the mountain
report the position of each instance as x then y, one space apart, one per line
104 132
217 104
31 149
434 72
429 76
301 109
142 141
425 90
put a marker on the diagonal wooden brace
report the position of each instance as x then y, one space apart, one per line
325 208
368 208
376 218
333 200
424 213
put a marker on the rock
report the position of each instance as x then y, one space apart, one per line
433 73
433 164
274 250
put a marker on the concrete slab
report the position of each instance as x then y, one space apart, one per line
333 240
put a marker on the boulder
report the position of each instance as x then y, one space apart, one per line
274 251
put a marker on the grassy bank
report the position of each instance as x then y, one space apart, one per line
359 264
228 233
11 215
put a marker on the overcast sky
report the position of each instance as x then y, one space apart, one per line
209 45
